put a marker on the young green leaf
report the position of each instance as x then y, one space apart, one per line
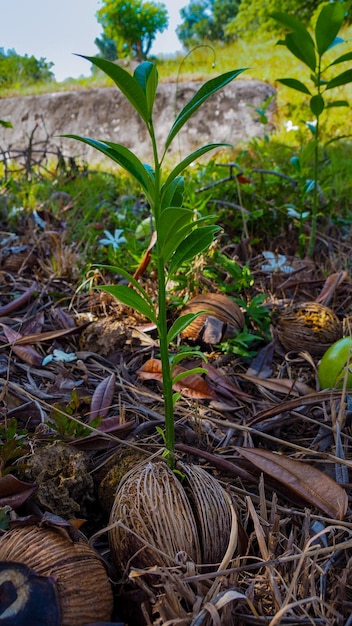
193 157
123 156
187 373
207 90
180 324
172 193
329 22
173 226
129 86
131 280
130 298
196 242
337 103
146 75
293 83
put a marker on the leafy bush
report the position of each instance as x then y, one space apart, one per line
24 70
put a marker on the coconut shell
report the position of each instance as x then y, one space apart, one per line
223 318
152 520
83 585
155 517
308 326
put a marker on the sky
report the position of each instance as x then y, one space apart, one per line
56 30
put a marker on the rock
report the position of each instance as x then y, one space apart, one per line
106 115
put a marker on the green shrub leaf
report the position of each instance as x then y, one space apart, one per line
172 193
317 105
302 49
329 22
293 83
342 59
341 79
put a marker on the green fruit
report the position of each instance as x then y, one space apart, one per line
332 368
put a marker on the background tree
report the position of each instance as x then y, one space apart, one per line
133 25
23 70
253 16
107 48
205 20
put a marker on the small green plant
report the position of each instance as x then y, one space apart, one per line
12 445
180 235
311 51
66 420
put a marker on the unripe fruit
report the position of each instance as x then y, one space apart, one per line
332 368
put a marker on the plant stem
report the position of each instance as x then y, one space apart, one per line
313 232
166 369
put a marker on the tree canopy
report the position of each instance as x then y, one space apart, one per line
132 25
205 20
254 15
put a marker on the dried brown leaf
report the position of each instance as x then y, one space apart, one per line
102 397
25 352
280 385
305 480
14 492
192 386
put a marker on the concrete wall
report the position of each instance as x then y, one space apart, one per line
105 114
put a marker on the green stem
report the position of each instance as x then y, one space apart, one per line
313 232
166 368
162 320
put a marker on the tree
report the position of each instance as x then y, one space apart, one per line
23 70
133 25
254 15
205 20
107 48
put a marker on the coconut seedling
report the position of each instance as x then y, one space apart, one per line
180 237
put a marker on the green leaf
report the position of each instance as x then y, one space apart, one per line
302 49
329 22
181 356
129 86
193 157
317 105
129 277
342 59
128 296
299 41
5 124
196 242
146 75
191 372
207 90
291 22
341 79
337 103
293 83
174 224
172 193
123 156
179 325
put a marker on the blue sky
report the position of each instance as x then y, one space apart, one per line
56 30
